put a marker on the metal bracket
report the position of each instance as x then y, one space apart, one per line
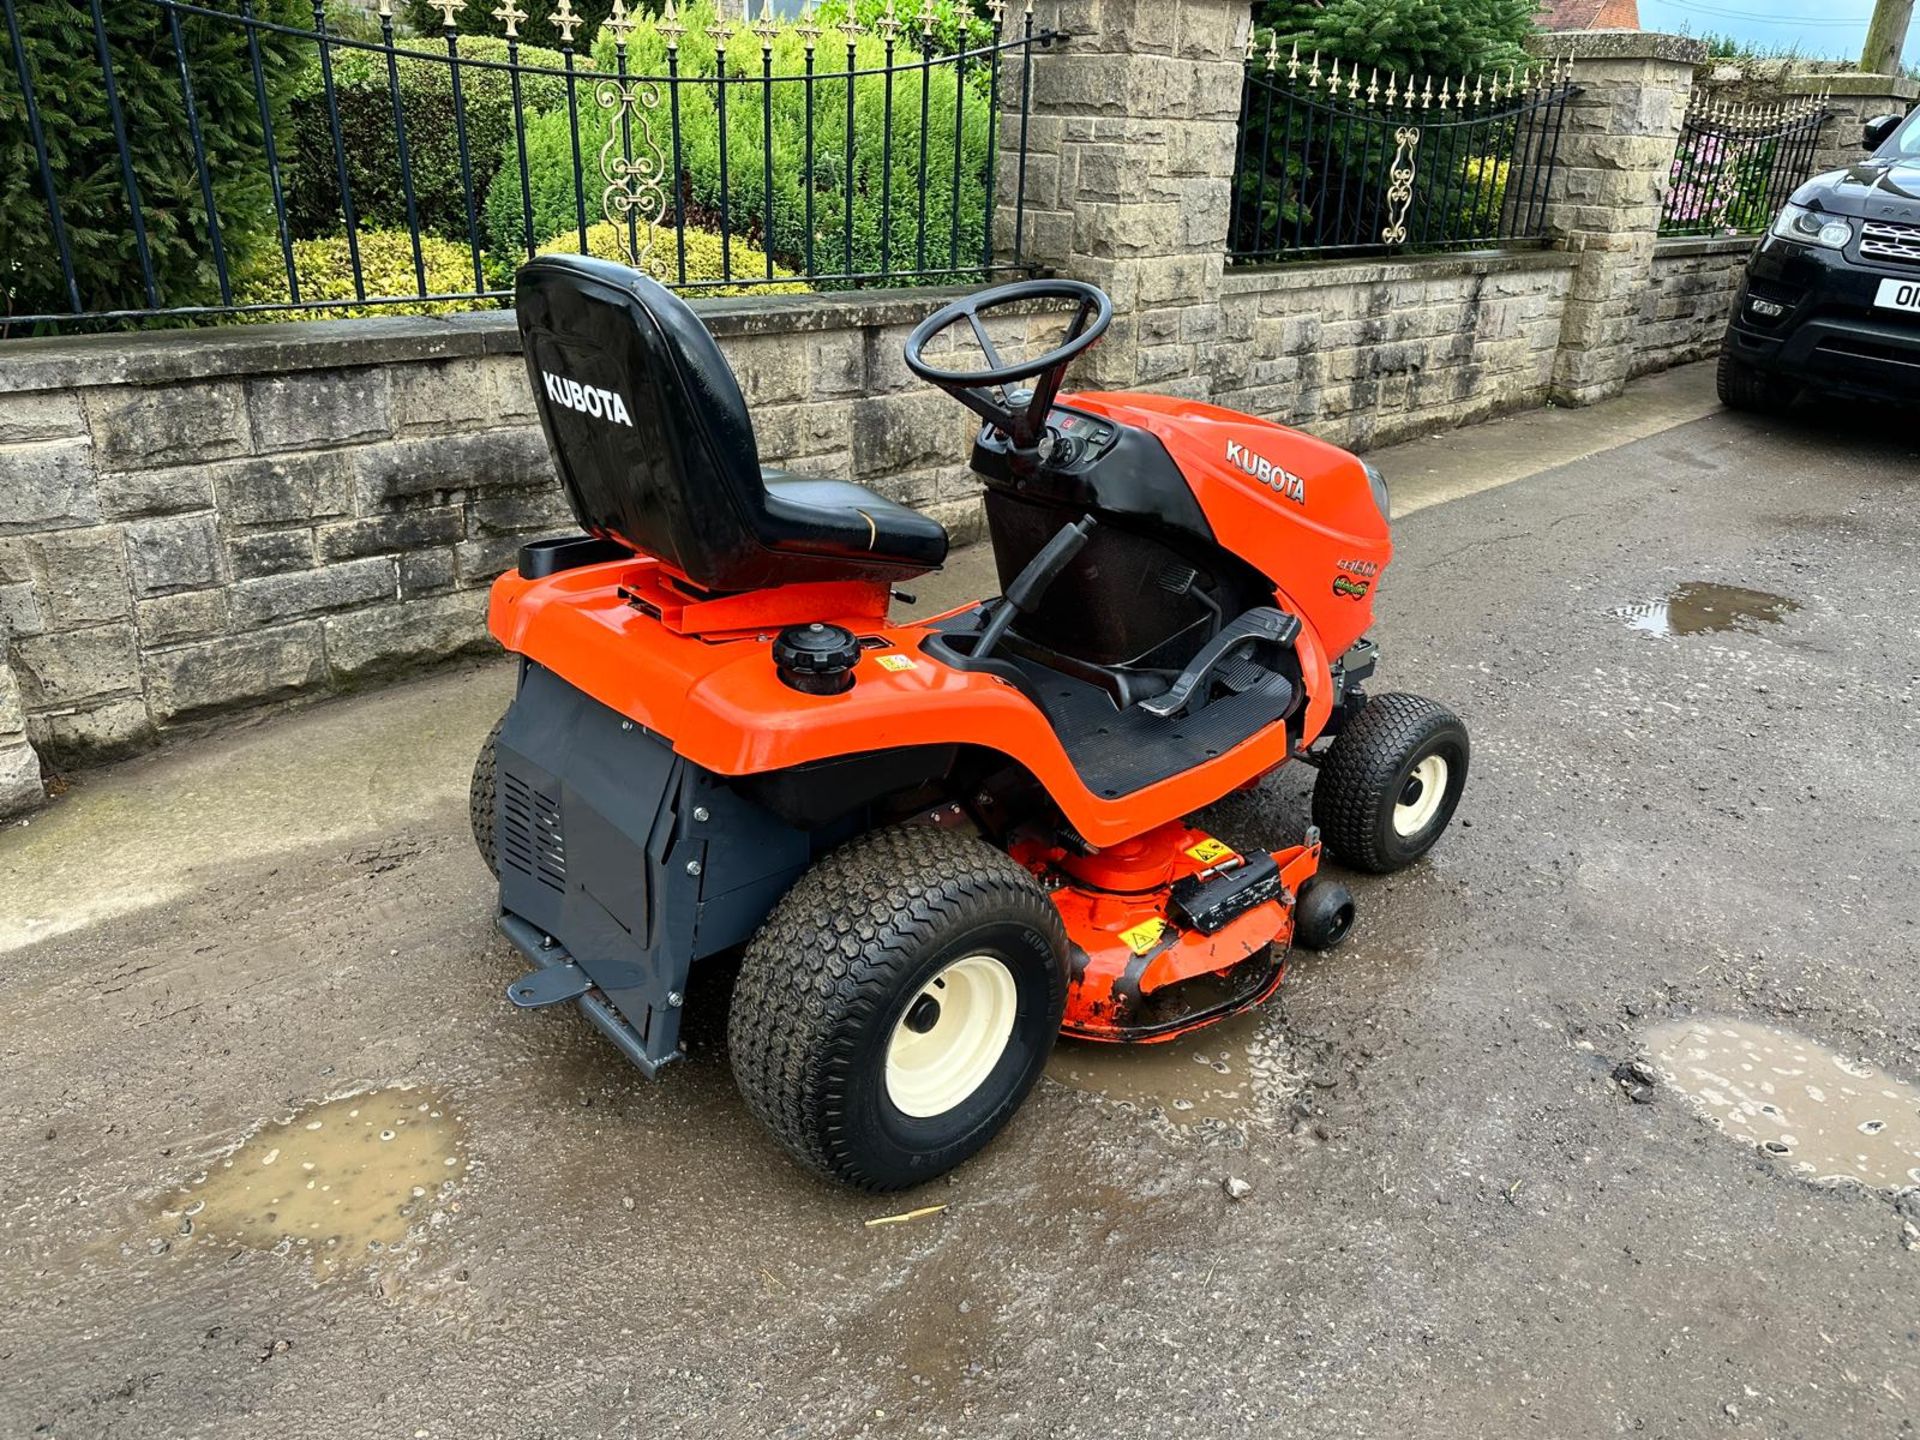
551 985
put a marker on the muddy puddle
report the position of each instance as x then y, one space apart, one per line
1820 1115
1699 608
344 1183
1231 1072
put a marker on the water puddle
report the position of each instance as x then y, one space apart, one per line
1699 608
342 1183
1822 1116
1228 1072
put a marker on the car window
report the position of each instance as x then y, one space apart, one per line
1906 140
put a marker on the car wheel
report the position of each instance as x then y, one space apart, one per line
1744 387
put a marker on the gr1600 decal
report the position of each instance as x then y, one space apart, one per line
1351 588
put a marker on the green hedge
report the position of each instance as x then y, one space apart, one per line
662 261
549 144
325 268
365 102
59 39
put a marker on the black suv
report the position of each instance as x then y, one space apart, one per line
1832 296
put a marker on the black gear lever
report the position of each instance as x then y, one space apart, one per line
1023 424
1032 582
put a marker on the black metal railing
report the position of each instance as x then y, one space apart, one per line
1339 159
260 158
1737 164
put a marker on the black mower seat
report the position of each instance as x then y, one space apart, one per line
818 516
653 443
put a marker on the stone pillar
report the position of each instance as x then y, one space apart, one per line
1131 131
19 767
1852 100
1615 164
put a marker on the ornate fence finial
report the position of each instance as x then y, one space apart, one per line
1373 87
449 10
889 25
385 11
1479 89
509 18
1273 52
1314 72
1353 82
670 25
1293 65
618 25
929 19
1446 93
768 27
998 9
808 29
565 21
1426 100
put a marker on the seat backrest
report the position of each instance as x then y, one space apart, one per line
644 417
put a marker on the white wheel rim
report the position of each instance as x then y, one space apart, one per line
1410 817
932 1069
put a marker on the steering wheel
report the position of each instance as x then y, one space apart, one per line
1024 426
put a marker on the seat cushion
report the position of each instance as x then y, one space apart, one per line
836 518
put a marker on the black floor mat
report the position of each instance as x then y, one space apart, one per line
1117 752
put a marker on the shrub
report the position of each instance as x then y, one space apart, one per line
365 102
59 41
478 19
1438 37
662 262
556 202
325 269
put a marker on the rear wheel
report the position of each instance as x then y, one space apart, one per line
480 799
1744 387
898 1005
1390 782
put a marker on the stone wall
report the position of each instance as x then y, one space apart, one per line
1365 353
1852 100
1684 311
196 522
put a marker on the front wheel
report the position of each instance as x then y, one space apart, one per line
1390 782
898 1005
1745 387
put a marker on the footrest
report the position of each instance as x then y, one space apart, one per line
1227 658
553 985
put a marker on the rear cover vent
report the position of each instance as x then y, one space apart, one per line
531 840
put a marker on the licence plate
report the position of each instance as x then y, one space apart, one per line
1899 295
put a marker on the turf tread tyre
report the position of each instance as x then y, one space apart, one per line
1364 769
1742 387
824 969
480 799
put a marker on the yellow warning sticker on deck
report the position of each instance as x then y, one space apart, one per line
1209 852
1143 937
894 662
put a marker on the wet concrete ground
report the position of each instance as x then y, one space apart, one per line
1460 1222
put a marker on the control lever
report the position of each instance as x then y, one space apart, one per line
1032 583
1262 624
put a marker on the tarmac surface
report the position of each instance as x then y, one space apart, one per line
1479 1191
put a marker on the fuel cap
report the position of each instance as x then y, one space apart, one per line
817 659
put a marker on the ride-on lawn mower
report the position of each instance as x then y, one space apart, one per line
943 843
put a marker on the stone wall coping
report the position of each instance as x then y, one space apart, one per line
1306 275
1619 45
1681 247
1857 84
159 356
